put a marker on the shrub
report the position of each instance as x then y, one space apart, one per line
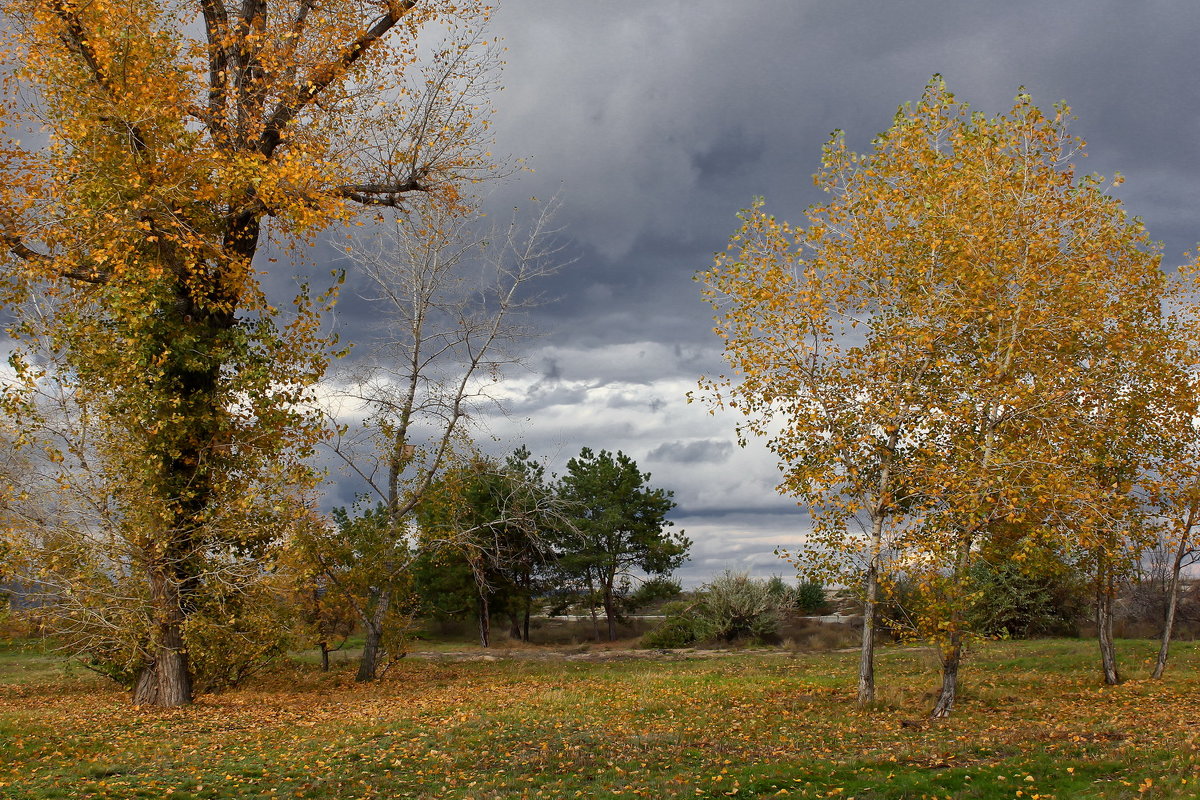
736 606
810 597
732 607
1012 602
651 591
678 630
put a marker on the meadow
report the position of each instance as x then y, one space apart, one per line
1034 721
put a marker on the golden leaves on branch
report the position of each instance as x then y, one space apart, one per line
964 333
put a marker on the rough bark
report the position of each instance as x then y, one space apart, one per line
368 664
952 650
485 622
166 679
951 658
866 661
610 613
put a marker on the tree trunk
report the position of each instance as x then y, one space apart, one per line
610 612
166 679
1172 605
525 621
324 657
951 658
866 660
952 650
368 665
514 625
1104 628
369 662
485 622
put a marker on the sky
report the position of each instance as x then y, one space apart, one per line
655 121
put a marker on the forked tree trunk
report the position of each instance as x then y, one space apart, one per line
952 650
1104 627
1164 648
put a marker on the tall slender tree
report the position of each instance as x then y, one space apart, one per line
450 301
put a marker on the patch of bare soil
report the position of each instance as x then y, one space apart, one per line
580 653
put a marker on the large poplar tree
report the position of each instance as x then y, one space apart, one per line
151 146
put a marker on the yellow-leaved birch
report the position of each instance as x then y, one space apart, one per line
963 270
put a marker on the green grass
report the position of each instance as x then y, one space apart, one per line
1033 722
26 661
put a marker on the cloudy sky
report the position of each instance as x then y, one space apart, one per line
654 121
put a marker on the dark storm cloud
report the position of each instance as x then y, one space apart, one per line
693 452
655 121
661 119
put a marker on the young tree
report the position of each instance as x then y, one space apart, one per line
451 303
495 518
830 366
981 290
618 525
177 134
1172 484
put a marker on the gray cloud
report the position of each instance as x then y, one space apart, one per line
692 452
655 122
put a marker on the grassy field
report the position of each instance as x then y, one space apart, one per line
1033 722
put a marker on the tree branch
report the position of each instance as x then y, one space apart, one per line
76 38
216 27
381 194
324 75
19 248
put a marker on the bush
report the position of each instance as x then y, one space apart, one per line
651 591
810 597
736 606
1011 602
733 607
681 628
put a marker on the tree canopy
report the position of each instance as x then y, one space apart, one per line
177 136
968 334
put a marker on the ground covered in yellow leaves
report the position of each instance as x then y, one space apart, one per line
1033 722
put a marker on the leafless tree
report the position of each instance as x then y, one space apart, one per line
451 305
